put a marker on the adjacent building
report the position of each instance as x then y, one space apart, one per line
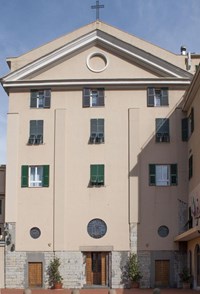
2 221
97 163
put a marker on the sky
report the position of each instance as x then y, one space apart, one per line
28 24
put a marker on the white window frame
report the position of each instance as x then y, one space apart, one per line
35 176
163 175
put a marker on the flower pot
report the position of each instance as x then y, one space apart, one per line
186 285
57 286
135 284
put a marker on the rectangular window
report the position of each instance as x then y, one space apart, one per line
162 130
35 176
157 97
1 206
188 126
163 175
93 97
97 175
36 132
40 98
96 130
190 167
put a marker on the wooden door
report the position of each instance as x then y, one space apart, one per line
35 274
96 268
162 269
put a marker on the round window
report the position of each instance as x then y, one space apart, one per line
35 232
96 228
163 231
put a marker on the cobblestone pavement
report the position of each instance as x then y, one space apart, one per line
100 291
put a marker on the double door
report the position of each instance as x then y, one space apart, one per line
97 264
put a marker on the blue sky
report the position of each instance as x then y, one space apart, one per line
27 24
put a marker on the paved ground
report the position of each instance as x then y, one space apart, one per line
100 291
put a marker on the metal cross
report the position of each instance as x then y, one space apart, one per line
97 7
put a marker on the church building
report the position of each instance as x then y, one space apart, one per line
97 160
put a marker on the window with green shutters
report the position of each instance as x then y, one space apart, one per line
93 97
35 176
188 126
96 174
162 130
36 132
96 130
163 175
157 97
40 99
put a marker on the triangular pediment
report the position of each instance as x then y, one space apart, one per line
137 61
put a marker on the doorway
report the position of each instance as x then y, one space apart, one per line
97 264
35 274
162 270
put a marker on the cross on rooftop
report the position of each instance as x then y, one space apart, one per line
97 7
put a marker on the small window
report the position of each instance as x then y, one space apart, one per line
163 175
162 130
157 97
1 206
97 175
190 167
93 97
40 99
163 231
97 130
35 176
188 126
36 132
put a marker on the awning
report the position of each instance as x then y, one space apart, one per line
191 234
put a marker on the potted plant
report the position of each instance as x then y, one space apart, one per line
185 277
134 273
55 279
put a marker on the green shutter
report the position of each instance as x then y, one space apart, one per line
190 167
101 97
150 97
164 97
192 120
101 174
24 176
86 97
93 126
33 103
173 174
45 182
47 98
152 174
184 129
93 174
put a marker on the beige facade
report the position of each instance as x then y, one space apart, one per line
191 235
97 170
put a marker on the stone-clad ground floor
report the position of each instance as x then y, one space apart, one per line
99 268
100 291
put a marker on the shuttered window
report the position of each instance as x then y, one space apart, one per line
188 126
162 130
97 174
190 167
157 97
162 175
97 130
93 97
40 99
35 176
36 132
